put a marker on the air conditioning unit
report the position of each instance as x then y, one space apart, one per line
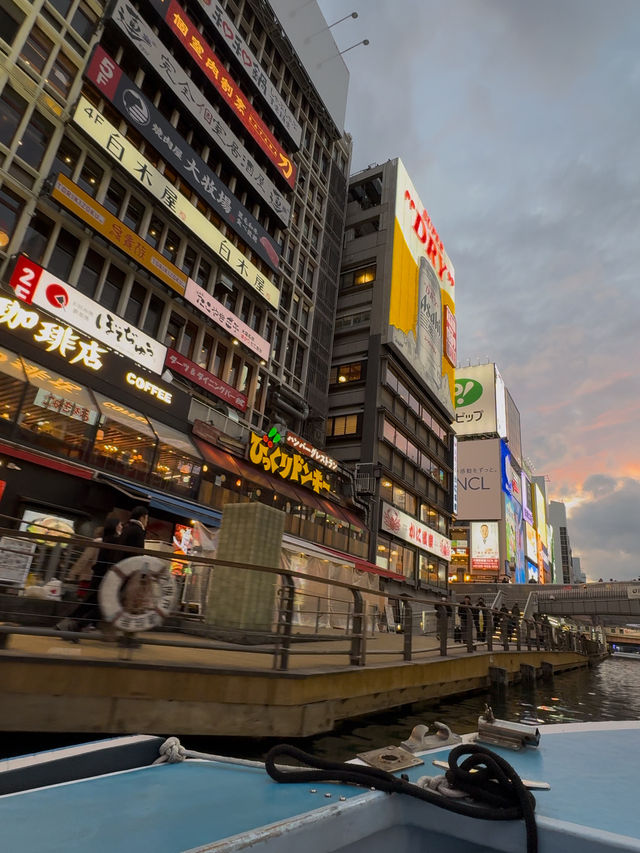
365 481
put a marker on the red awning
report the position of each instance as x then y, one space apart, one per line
46 461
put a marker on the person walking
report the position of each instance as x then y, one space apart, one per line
87 614
134 531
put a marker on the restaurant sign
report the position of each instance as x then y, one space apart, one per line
118 147
409 529
142 38
139 111
190 370
290 466
296 442
35 286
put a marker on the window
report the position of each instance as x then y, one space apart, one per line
188 340
61 6
90 177
133 308
345 373
153 315
62 75
358 277
114 197
206 349
133 214
37 236
343 425
171 246
362 229
84 22
66 158
11 206
219 360
36 50
35 139
12 108
112 288
174 327
10 19
64 254
90 273
154 231
235 371
204 273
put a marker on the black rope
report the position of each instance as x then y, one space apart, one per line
495 788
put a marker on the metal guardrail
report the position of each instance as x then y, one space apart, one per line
312 616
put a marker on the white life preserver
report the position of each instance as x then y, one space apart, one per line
161 593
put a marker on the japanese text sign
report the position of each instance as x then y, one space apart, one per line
213 309
296 442
409 529
142 38
190 370
34 285
98 217
107 76
46 400
289 466
214 70
104 134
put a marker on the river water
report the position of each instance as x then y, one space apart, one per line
609 691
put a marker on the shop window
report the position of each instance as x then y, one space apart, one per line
63 255
36 50
12 109
66 158
62 75
11 206
90 273
112 288
114 197
90 177
133 308
343 425
124 441
153 316
37 236
12 385
177 466
35 139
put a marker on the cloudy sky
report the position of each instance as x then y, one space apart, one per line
519 126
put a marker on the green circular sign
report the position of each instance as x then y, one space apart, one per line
467 392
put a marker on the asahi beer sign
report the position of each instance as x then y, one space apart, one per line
142 38
143 172
108 77
35 286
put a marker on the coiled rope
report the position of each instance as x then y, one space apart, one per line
494 788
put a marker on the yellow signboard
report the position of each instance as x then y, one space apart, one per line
289 466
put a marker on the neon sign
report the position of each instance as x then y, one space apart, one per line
289 466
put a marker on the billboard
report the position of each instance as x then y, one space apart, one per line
479 480
514 434
527 504
531 545
541 515
485 549
409 529
475 399
422 288
501 411
514 537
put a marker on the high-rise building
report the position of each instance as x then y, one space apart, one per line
561 543
173 182
392 376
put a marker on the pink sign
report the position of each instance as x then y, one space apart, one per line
199 297
190 370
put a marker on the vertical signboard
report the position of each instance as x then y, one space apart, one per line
541 515
479 480
422 287
513 428
475 399
485 548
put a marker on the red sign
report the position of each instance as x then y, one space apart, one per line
213 68
450 336
190 370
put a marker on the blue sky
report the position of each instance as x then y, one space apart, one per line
518 124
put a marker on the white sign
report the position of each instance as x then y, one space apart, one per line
476 400
479 480
36 286
15 559
407 527
117 146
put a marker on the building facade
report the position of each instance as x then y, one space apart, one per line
564 563
172 199
391 384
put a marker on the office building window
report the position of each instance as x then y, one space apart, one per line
343 425
36 50
90 273
133 308
11 206
35 139
12 109
37 236
63 255
153 315
112 288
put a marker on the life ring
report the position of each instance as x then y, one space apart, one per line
160 593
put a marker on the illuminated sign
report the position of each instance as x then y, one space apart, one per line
297 443
541 515
226 319
422 289
214 70
69 195
104 134
174 150
531 545
52 336
485 549
190 370
250 66
142 38
292 467
409 529
36 286
46 400
148 387
475 398
526 498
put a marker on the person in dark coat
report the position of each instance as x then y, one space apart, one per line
481 632
464 612
134 531
515 619
87 614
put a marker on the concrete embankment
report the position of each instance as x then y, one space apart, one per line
51 686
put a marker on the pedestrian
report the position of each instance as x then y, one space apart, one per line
134 531
443 611
505 579
505 620
515 619
464 612
87 614
478 614
135 593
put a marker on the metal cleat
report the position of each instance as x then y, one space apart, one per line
420 739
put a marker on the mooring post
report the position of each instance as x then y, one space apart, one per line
498 676
547 670
528 674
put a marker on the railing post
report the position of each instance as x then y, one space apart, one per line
443 628
407 622
488 628
358 642
505 627
528 633
518 635
469 631
284 625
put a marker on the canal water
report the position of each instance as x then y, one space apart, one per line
609 691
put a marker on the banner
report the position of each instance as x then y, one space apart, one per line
142 38
408 528
105 135
76 200
103 72
190 370
250 67
485 549
226 319
35 286
214 70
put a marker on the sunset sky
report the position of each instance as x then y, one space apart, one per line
518 123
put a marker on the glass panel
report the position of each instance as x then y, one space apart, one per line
84 22
114 197
11 206
66 158
112 288
35 140
12 108
90 177
10 19
62 75
90 273
36 50
134 304
124 416
64 254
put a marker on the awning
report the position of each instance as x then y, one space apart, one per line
220 458
15 452
163 500
114 411
174 438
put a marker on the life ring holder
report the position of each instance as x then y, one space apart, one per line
115 579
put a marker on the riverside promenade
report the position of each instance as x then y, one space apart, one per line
175 684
